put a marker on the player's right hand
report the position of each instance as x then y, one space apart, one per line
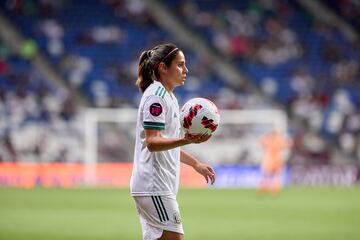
199 138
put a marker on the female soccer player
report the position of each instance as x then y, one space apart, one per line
155 176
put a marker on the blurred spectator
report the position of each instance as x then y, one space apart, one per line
299 64
302 83
28 49
7 150
76 68
100 34
54 33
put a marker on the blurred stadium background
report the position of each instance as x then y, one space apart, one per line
67 100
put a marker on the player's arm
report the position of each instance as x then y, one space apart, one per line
204 169
155 142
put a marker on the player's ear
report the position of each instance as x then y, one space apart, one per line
162 67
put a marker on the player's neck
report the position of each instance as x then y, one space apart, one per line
169 88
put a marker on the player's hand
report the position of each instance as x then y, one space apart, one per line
207 171
197 138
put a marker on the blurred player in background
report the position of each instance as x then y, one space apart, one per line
155 177
274 145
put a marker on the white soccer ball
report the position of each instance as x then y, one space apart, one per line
199 116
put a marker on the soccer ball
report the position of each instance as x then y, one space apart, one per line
199 116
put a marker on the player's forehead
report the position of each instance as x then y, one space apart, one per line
180 57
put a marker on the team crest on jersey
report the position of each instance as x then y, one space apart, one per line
176 218
155 109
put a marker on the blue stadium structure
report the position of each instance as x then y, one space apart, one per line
295 60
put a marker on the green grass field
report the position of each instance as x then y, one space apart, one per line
89 214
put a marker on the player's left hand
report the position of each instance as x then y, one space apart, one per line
207 171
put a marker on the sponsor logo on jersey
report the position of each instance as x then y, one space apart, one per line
155 109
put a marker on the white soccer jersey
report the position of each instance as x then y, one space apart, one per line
156 173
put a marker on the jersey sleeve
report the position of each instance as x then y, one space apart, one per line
154 113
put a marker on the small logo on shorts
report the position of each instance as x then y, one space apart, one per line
177 218
155 109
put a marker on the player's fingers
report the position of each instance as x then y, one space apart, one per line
206 137
211 170
195 138
211 175
212 178
192 136
201 139
206 178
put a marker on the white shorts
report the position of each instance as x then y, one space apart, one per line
158 213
